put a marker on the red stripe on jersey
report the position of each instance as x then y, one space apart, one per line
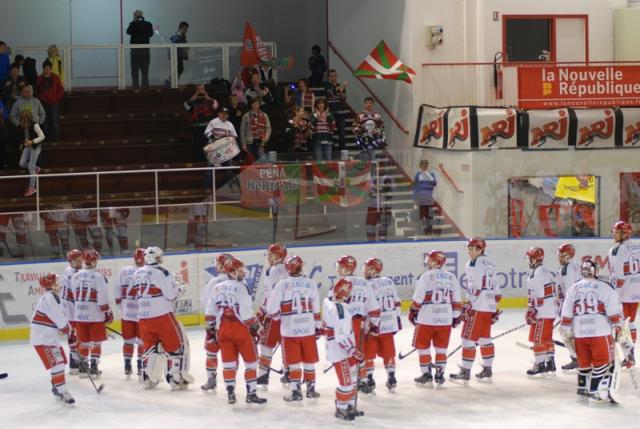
548 290
286 307
616 318
566 321
42 319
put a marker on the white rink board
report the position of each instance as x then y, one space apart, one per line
403 262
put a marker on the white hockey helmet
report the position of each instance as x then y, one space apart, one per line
152 255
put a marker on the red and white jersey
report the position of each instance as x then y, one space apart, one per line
386 294
66 293
568 274
624 266
47 320
90 295
591 307
217 129
363 301
157 290
480 287
207 290
231 298
338 331
126 293
297 301
271 277
541 287
367 122
437 296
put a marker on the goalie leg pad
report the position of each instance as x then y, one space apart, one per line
156 362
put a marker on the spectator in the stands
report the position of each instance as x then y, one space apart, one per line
257 90
181 37
236 111
302 96
27 102
336 96
323 126
238 87
4 62
298 129
32 136
424 182
29 70
4 118
265 71
317 66
201 109
255 130
140 31
50 91
13 86
19 61
57 67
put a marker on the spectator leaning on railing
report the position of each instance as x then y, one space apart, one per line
201 109
50 91
255 129
181 37
32 137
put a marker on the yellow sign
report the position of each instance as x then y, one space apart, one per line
581 188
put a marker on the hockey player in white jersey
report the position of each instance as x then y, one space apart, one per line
624 267
541 313
92 312
74 258
296 301
567 275
340 347
161 332
126 295
479 313
379 341
230 318
270 336
590 312
364 309
47 321
435 308
211 345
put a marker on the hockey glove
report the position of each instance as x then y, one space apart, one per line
72 339
108 317
456 322
530 316
413 314
319 333
256 330
495 317
356 354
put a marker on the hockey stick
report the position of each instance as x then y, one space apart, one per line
114 331
4 375
402 356
83 363
528 347
360 347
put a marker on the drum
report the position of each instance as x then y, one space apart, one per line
221 150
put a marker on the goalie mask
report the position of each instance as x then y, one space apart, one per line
221 259
589 269
234 268
153 255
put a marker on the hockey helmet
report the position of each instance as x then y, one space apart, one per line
624 228
153 255
74 257
138 256
342 290
435 259
234 268
347 264
589 269
535 255
293 265
372 267
566 249
276 252
90 257
49 281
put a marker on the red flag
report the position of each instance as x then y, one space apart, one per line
253 49
343 183
382 63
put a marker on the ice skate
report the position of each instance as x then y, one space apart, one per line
550 368
461 377
83 369
128 370
147 384
178 383
537 370
64 397
73 366
425 379
485 376
263 381
601 398
391 381
311 390
583 395
344 415
439 377
294 396
285 378
231 394
571 366
95 372
210 384
367 385
253 399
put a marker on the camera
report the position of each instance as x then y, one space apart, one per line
292 86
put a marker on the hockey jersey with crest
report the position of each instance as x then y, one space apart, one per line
297 302
90 295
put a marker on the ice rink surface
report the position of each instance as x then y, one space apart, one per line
513 401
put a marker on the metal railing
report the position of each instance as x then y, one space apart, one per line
476 84
83 69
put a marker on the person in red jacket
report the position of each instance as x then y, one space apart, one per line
49 90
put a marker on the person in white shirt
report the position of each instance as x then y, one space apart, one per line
220 127
47 321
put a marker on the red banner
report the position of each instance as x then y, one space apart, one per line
260 184
548 87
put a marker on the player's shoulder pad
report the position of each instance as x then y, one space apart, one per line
163 270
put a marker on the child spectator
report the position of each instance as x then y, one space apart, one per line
55 59
322 128
318 66
302 95
424 183
4 62
181 37
50 91
27 101
238 87
201 109
255 129
298 130
258 90
32 136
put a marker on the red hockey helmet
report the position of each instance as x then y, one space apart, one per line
347 263
477 242
567 250
624 228
372 267
293 265
342 290
90 257
221 259
435 259
535 255
232 267
74 257
138 256
48 281
277 251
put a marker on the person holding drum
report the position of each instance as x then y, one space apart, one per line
223 145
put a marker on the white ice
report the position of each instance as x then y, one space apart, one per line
512 401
